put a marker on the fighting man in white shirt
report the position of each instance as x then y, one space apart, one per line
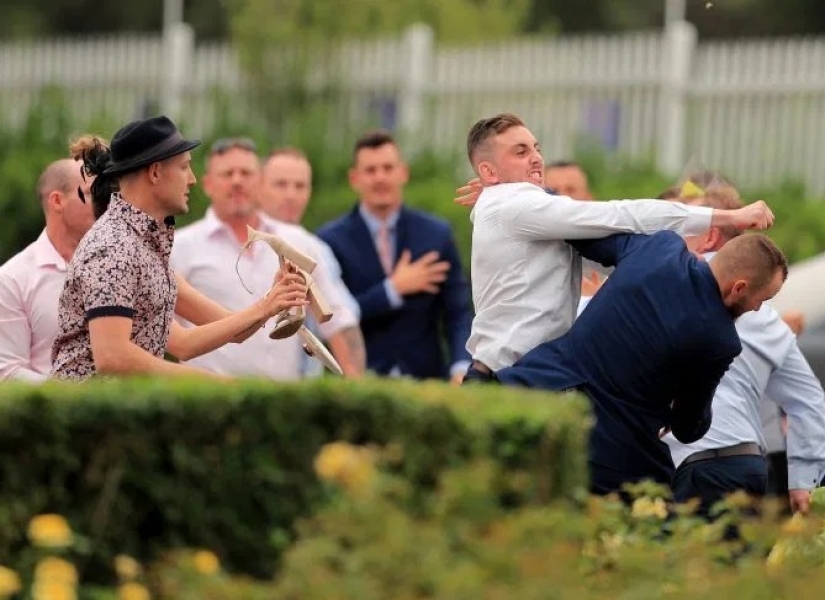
526 280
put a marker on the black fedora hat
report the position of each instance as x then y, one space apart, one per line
144 142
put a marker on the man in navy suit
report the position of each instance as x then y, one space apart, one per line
652 345
403 268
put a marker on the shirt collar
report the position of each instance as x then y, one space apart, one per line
374 224
214 225
160 234
45 254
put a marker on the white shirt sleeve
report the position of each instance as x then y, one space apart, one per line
795 388
327 256
535 214
336 295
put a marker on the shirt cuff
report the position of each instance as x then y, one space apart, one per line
110 311
697 221
585 300
395 299
804 475
459 368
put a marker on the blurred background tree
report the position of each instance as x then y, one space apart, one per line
211 18
291 53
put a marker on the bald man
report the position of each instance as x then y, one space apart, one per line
31 281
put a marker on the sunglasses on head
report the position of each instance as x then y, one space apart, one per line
226 144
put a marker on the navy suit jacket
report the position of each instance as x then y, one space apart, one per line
649 350
410 336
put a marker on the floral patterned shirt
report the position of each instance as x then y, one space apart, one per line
120 268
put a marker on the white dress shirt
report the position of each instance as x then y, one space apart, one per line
30 286
772 365
205 254
526 280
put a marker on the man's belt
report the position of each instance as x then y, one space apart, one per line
744 449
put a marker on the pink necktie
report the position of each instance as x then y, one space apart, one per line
384 249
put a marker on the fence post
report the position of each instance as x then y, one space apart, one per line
416 70
679 47
178 48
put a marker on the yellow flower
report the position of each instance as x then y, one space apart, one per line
331 460
9 582
796 524
51 531
133 591
57 570
53 590
777 555
644 508
345 464
206 562
127 567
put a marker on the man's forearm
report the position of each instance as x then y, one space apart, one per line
186 344
129 359
348 348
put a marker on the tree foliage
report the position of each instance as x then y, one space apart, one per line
292 53
319 20
211 18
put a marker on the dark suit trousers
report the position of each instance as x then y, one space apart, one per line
712 479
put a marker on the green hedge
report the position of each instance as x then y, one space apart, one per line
799 229
139 467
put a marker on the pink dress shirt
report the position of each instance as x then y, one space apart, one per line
205 254
30 287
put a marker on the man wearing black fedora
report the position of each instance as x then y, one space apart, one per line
120 293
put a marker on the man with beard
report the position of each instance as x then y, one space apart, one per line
770 371
652 346
115 314
207 251
526 279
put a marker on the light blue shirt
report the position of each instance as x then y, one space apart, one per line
374 225
771 365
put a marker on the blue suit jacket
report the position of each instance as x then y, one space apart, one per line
410 336
657 334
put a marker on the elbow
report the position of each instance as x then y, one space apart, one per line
110 361
180 345
690 434
182 352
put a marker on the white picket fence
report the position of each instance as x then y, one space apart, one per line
754 109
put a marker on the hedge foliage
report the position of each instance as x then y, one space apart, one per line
142 467
24 151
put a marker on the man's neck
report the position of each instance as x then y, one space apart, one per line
238 225
716 270
382 213
63 243
143 202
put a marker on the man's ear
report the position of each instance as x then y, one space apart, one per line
739 287
154 172
713 241
487 172
55 201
